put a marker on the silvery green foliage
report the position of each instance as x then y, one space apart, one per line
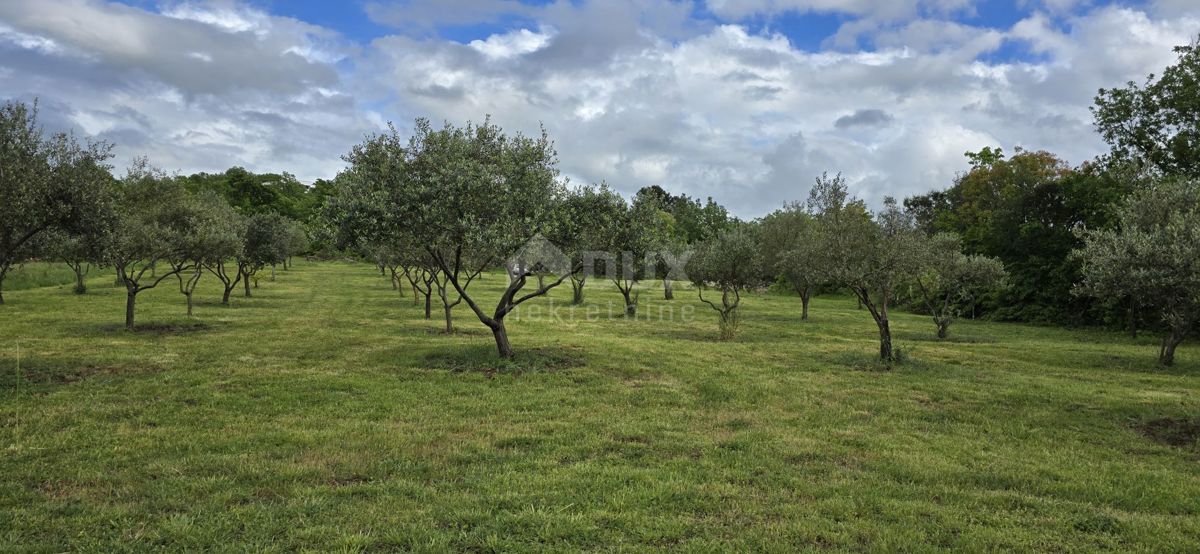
635 236
730 263
731 260
948 278
1153 253
215 232
588 215
789 247
266 240
470 196
637 232
872 257
154 220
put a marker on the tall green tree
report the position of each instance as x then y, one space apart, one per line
213 235
265 243
634 239
1022 210
588 213
1156 124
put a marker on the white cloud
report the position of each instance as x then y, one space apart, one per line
515 43
203 87
750 119
634 93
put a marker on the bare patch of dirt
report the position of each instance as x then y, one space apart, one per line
1172 431
348 480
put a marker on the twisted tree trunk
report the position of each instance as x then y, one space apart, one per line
1166 353
577 290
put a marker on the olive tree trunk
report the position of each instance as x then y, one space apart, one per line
508 301
503 347
727 311
81 271
630 296
1166 353
3 274
668 290
130 304
577 290
880 313
805 296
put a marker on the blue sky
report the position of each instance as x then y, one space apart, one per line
742 100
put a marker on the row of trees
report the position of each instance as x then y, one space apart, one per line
443 206
446 204
59 200
834 241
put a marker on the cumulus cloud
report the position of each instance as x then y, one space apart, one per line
198 86
634 92
750 119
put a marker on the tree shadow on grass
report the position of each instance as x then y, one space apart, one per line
457 332
746 334
63 372
954 338
868 360
483 358
155 327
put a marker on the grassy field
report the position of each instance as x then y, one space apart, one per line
43 274
326 414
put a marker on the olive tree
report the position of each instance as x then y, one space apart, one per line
1155 253
635 238
871 257
588 212
213 235
154 216
948 278
470 196
219 266
45 183
298 241
729 263
790 251
80 250
265 243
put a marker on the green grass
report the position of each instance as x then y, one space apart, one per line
325 414
41 274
